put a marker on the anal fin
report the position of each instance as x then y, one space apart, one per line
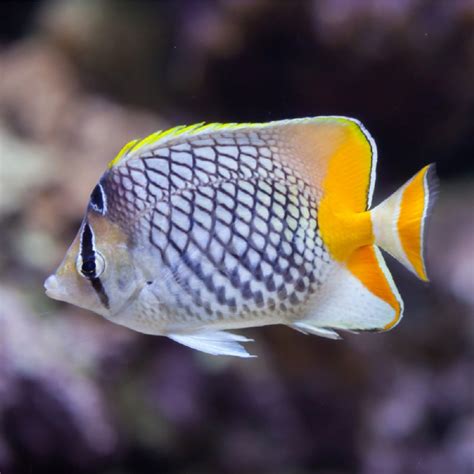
308 327
213 342
359 295
368 266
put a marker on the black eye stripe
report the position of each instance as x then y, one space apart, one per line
97 199
88 266
87 242
99 288
88 252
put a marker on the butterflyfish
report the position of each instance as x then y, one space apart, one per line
198 230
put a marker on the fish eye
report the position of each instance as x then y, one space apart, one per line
91 267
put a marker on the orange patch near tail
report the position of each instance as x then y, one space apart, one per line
410 225
347 190
367 265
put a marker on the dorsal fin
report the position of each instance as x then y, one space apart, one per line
318 140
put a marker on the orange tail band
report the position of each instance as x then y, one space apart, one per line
400 221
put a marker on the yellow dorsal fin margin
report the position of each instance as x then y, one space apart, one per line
162 136
123 152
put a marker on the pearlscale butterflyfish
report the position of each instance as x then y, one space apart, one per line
201 229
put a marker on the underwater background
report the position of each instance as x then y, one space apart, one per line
78 79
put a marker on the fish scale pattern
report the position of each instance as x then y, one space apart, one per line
231 230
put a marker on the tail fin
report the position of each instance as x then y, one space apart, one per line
399 222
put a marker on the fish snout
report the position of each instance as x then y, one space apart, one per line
51 285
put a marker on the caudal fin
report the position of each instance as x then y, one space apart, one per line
399 222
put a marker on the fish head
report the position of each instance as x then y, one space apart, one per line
98 271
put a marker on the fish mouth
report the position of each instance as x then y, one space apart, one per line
51 285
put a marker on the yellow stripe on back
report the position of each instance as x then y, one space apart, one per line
161 136
123 152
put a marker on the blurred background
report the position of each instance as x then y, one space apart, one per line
78 394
